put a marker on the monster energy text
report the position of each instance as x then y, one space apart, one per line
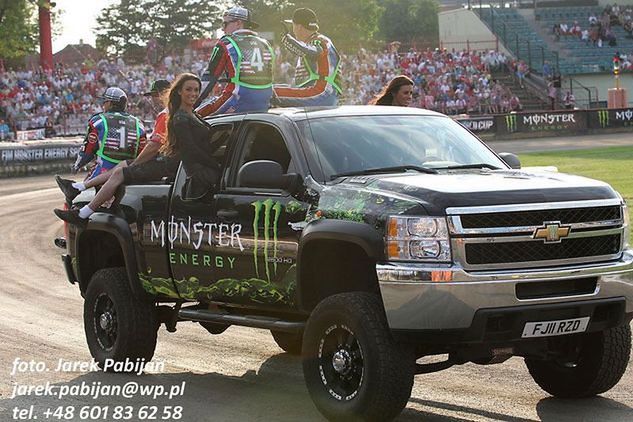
189 232
265 209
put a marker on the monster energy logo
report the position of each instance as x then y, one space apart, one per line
267 206
603 118
511 122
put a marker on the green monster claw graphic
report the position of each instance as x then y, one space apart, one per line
603 118
268 205
511 122
258 206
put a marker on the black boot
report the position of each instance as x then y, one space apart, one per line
72 217
66 186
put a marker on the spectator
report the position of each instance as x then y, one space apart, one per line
547 70
551 94
5 131
570 101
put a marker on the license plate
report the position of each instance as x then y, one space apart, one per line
555 328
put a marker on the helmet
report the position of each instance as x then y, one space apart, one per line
116 96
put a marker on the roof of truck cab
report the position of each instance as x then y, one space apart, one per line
351 110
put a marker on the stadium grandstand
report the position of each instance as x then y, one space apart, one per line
576 39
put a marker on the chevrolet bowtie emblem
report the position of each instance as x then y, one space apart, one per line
552 232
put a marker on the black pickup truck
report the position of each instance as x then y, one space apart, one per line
365 239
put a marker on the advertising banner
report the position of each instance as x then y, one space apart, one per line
608 118
479 125
38 153
30 135
555 121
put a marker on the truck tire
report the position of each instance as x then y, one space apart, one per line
353 368
288 342
118 326
598 362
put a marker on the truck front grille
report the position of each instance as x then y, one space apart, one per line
520 252
536 235
537 217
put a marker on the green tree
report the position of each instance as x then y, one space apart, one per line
18 28
410 21
347 22
268 13
128 24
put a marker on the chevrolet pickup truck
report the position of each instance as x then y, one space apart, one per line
367 239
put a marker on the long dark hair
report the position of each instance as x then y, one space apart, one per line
173 105
385 97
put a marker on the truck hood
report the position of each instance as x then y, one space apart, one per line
436 192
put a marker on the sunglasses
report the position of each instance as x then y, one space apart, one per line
226 23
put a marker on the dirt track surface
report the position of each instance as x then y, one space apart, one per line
240 375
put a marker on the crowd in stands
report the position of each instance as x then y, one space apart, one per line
62 101
599 29
448 82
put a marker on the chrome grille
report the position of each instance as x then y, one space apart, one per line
537 217
499 237
518 252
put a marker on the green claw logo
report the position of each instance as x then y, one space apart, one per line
511 122
267 206
603 117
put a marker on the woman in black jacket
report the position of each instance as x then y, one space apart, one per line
187 140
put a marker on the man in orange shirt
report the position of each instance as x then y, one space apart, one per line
130 168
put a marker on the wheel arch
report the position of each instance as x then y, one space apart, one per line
350 249
107 242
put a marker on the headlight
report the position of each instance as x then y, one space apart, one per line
627 226
418 239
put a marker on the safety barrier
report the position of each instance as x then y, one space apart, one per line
549 123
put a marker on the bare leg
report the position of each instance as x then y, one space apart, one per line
103 177
109 188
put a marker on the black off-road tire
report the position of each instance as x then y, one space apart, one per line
131 324
600 361
377 383
288 342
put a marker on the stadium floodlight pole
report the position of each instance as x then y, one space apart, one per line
46 44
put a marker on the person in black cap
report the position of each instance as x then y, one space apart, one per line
244 61
158 92
158 88
317 77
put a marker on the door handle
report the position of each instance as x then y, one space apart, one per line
228 214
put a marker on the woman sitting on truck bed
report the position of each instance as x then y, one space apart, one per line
187 137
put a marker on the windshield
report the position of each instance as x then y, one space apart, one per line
353 144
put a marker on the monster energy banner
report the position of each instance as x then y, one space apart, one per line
602 119
38 153
479 125
542 122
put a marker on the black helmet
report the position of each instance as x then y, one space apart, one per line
116 96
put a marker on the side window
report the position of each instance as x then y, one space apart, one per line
220 135
264 142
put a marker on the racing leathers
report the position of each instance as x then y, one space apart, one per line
245 62
317 75
111 137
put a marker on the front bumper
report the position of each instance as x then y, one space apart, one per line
413 302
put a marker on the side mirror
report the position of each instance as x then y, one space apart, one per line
265 174
511 159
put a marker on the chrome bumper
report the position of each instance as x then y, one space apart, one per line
413 301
